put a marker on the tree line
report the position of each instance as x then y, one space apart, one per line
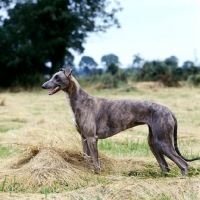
166 72
40 31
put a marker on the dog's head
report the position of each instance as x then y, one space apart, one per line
59 81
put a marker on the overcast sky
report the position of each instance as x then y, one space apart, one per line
156 29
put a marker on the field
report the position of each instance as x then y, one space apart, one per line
41 154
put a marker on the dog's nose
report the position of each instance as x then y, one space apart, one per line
43 87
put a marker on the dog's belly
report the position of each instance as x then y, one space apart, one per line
107 131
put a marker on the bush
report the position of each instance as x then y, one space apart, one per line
168 80
194 80
104 81
158 71
27 82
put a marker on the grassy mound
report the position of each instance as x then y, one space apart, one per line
47 169
48 163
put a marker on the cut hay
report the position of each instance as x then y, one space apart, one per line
47 169
52 170
139 189
52 160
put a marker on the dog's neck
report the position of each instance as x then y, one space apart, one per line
75 93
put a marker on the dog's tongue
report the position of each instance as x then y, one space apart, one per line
54 90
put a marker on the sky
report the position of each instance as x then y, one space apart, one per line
154 29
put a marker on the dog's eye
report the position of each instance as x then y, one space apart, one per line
57 78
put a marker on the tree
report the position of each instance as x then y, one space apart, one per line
137 61
172 61
188 64
87 61
189 69
45 30
110 58
159 71
112 68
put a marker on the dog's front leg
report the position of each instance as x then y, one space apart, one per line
92 144
86 149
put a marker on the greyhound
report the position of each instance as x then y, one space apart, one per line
99 118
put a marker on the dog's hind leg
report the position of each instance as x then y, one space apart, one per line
168 150
159 156
163 137
92 144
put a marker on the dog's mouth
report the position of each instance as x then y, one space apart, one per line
54 90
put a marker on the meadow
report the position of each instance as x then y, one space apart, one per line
41 154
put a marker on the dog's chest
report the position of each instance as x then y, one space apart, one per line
71 111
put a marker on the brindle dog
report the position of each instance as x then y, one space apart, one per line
99 118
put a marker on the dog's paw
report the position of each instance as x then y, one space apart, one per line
97 170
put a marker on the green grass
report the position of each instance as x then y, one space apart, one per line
141 148
127 147
153 171
6 151
8 124
189 144
19 120
4 129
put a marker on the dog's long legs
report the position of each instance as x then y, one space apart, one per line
92 144
170 152
159 156
86 149
164 143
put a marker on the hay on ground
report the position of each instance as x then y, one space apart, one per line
52 160
46 169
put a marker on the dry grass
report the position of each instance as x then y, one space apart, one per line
125 189
49 155
45 169
3 101
49 159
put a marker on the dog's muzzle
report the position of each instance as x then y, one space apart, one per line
53 90
43 86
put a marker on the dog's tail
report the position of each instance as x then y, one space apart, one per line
176 145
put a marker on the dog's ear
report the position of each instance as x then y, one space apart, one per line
67 71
